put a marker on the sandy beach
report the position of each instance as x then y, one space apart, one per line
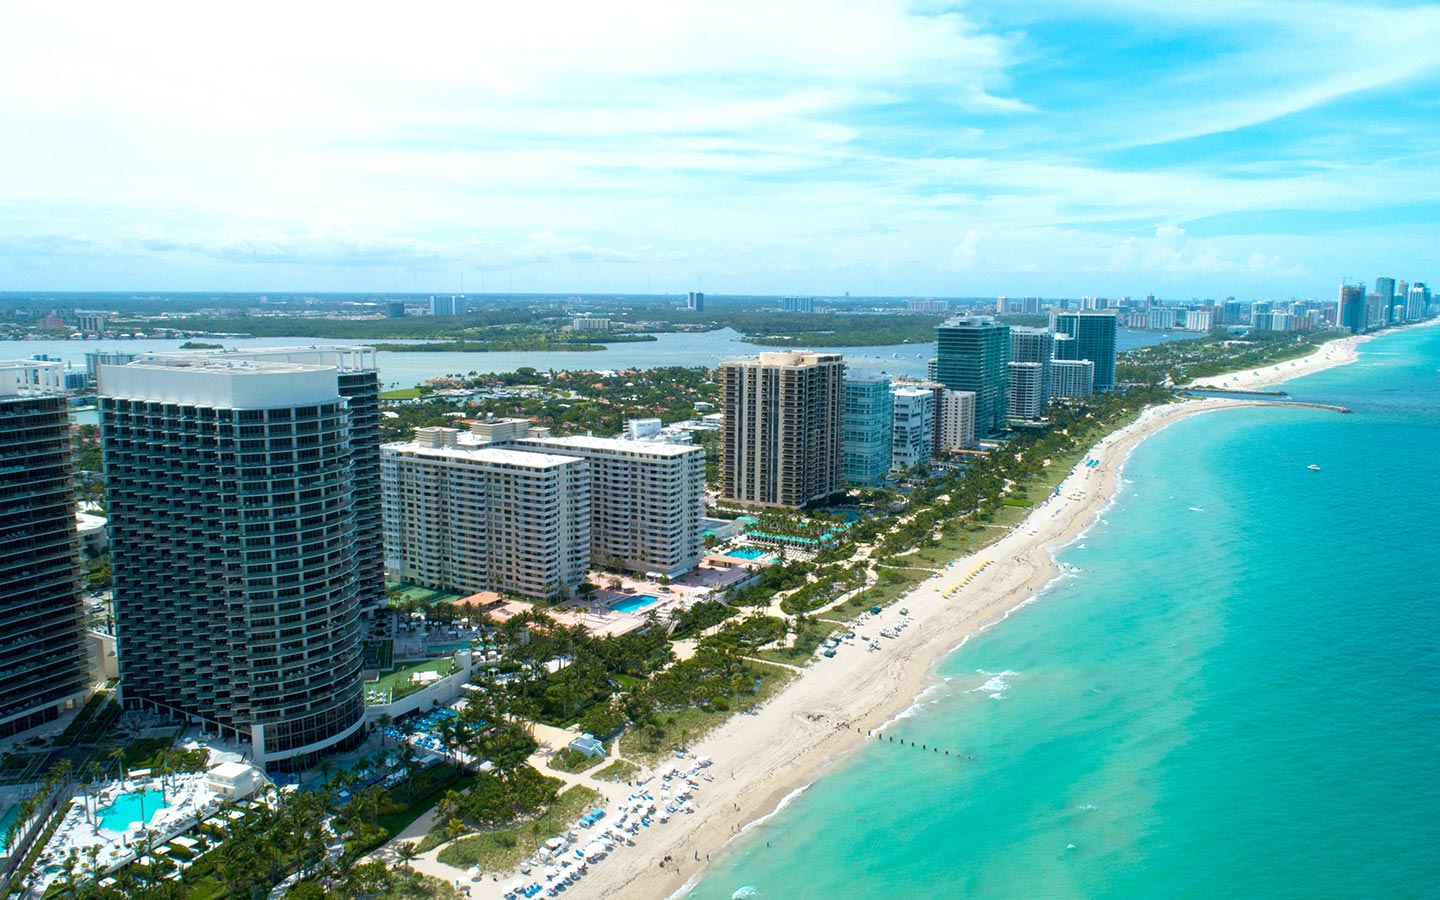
764 758
829 710
1333 353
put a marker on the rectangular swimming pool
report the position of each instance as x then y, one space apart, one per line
747 553
634 604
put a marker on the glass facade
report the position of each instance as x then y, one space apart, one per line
233 535
42 637
868 423
1092 337
973 354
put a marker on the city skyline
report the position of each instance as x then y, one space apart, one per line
1125 148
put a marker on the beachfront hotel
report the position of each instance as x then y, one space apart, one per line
868 423
358 381
471 517
646 500
42 637
783 435
231 502
1091 336
972 353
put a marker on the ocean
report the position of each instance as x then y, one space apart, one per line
1234 691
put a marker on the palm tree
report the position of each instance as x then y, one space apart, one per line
118 755
407 851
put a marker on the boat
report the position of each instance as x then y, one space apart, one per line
1312 467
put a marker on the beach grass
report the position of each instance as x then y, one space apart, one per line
506 848
574 761
679 727
802 652
621 770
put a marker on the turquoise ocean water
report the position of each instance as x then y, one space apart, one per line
1236 693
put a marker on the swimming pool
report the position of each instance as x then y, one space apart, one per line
747 553
126 809
6 821
634 604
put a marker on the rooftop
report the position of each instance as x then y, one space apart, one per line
619 445
483 453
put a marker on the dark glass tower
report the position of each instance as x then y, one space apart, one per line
1093 338
233 535
973 354
42 634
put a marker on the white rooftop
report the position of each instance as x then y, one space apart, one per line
232 383
616 445
483 453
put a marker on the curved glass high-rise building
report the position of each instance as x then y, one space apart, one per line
233 531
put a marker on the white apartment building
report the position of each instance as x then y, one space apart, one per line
957 420
912 437
1072 378
646 500
1026 390
471 517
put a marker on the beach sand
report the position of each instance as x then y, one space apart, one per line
1333 353
761 759
825 713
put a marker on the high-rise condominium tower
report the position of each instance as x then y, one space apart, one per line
233 540
913 438
1351 314
1093 337
973 354
358 381
783 439
646 500
474 517
42 637
868 422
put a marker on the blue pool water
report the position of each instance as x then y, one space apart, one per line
6 820
126 810
632 604
747 553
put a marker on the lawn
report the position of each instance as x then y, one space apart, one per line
409 393
427 790
505 848
893 584
399 681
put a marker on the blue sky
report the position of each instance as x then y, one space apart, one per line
973 149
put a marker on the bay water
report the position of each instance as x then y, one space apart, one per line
1234 690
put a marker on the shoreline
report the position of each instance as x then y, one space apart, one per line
1339 352
808 730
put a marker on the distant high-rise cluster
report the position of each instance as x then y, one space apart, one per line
454 305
